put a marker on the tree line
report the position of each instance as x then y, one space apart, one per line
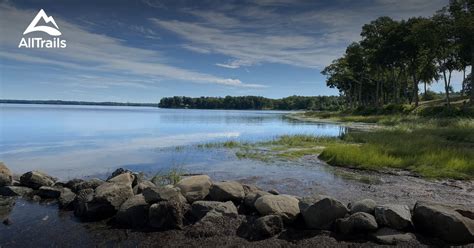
329 103
394 57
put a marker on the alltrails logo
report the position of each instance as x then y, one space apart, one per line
38 42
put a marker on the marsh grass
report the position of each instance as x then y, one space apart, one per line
171 176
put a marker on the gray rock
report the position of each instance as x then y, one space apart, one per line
6 177
285 206
359 222
47 192
267 226
133 212
394 216
200 208
157 194
113 193
77 185
365 206
124 178
274 192
323 213
195 188
66 199
227 191
251 197
36 179
138 189
450 223
6 206
166 215
118 172
15 191
389 236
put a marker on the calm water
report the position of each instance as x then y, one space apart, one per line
79 141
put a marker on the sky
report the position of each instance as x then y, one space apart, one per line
141 51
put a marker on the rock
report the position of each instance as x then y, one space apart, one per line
133 212
200 208
49 192
365 206
283 205
444 222
15 191
394 216
251 197
6 206
267 226
118 172
227 191
80 185
359 222
389 236
323 213
138 189
114 193
249 188
72 184
6 177
124 178
157 194
66 199
195 188
166 215
274 192
36 179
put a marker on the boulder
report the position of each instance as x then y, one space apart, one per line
274 192
138 189
444 221
359 222
157 194
323 213
66 198
36 179
200 208
6 206
267 226
227 191
77 185
133 212
389 236
285 206
365 206
393 216
195 188
166 215
113 193
6 176
15 191
251 197
124 178
47 192
118 172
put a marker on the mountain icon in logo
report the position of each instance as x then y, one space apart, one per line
47 29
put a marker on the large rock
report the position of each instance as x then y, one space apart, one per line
66 198
157 194
133 212
6 176
124 178
365 206
227 191
359 222
389 236
200 208
323 213
450 223
113 193
15 191
6 206
49 192
195 188
36 179
77 185
267 226
394 216
283 205
252 196
138 189
166 215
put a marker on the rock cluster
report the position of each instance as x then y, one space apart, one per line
132 202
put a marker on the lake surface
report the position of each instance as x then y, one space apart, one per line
81 141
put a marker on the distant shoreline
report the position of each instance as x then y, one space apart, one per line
61 102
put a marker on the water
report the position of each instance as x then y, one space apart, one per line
80 141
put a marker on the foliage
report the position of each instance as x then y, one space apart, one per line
170 177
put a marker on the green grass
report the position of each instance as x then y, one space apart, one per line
171 176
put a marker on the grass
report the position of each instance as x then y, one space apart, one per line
172 176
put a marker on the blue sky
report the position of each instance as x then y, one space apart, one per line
140 51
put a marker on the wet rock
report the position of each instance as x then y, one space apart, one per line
15 191
274 192
133 212
283 205
365 206
36 179
124 178
138 189
49 192
157 194
6 177
394 216
6 206
227 191
267 226
66 199
444 222
359 222
77 185
323 213
195 188
200 208
7 222
389 236
166 215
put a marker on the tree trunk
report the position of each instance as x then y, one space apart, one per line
415 90
472 75
446 87
463 85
